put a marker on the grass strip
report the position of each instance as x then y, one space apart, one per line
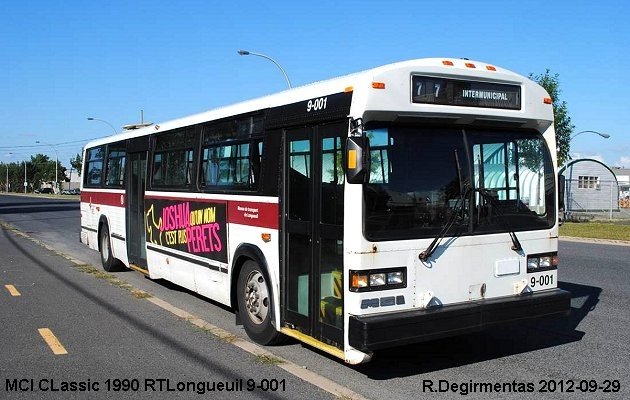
595 230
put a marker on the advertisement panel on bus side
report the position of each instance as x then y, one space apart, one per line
193 227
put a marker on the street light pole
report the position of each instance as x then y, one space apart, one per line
56 165
248 53
103 121
604 135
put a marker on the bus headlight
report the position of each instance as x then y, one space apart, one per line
381 279
542 262
545 262
395 278
532 263
377 279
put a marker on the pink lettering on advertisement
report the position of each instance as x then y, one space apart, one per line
204 238
176 216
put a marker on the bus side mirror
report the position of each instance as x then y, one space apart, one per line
357 160
561 187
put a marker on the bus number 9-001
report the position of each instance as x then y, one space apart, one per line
541 280
316 104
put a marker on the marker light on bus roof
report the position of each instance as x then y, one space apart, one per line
547 100
348 89
490 68
470 65
447 63
378 85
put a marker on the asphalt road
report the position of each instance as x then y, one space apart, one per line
112 333
115 344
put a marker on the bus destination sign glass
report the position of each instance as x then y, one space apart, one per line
454 92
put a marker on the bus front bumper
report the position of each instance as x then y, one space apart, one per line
372 332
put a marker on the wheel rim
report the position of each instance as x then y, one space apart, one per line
105 247
256 297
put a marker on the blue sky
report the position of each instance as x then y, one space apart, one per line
62 62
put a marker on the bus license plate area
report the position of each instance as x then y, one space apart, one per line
542 280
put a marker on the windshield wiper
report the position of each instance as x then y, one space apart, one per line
485 193
459 206
436 242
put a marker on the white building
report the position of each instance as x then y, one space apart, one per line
590 186
623 178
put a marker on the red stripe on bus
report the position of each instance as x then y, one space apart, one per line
175 198
251 213
264 215
103 198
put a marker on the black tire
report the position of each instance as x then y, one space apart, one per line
110 264
255 304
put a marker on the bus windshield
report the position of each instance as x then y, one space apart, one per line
494 180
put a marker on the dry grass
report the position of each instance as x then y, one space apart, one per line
268 359
595 230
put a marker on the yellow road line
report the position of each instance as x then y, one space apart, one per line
52 341
314 378
139 269
14 292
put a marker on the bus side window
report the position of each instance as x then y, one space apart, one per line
255 161
94 166
236 165
115 172
158 175
210 162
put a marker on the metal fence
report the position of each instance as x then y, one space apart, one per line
595 200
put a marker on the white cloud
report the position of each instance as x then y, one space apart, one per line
623 162
598 157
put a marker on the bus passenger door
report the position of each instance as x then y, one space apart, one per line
313 223
135 212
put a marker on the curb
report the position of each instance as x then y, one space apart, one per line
300 372
613 242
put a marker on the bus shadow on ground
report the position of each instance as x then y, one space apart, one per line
487 345
29 208
465 349
176 288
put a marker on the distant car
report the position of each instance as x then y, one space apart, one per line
45 191
71 191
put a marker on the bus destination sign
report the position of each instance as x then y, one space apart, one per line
454 92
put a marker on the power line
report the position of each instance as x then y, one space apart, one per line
40 145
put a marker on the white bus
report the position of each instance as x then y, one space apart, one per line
405 203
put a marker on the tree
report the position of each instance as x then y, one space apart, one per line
562 120
15 172
76 163
43 170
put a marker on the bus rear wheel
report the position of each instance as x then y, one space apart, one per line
255 304
110 264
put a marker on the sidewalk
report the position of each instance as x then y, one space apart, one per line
593 240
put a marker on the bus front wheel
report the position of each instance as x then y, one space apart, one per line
255 304
110 264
